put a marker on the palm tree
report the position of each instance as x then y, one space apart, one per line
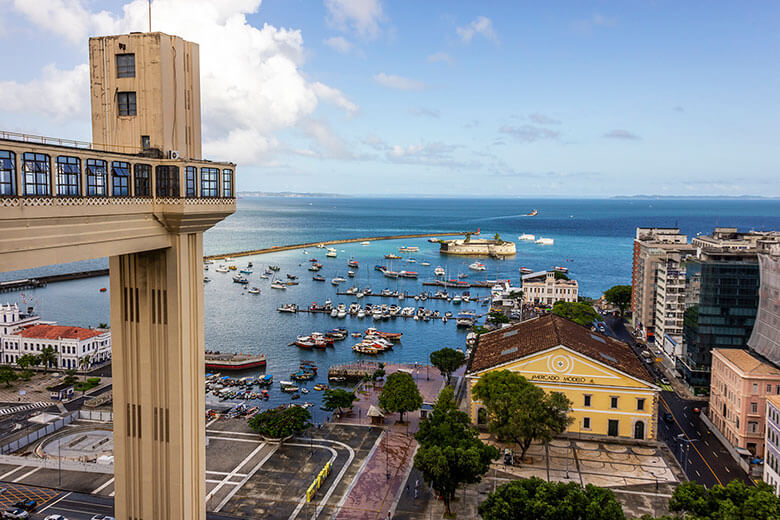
84 365
47 357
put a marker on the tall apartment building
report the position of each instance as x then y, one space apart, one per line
740 385
651 246
670 301
772 445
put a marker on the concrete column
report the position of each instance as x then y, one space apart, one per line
158 382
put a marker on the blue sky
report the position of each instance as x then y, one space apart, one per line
450 98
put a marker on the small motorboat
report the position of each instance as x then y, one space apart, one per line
278 285
103 289
318 278
526 270
254 290
477 266
439 271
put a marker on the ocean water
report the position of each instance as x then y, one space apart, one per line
593 238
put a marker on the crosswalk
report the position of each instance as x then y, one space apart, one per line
23 407
668 388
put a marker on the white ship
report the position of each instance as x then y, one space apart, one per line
545 241
527 236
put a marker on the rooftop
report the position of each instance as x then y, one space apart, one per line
549 331
775 400
42 331
746 362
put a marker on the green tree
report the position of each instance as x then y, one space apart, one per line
557 275
338 398
400 394
536 499
27 360
450 451
582 313
70 376
279 423
448 360
47 357
619 296
497 238
735 501
519 411
498 317
516 295
378 374
7 375
84 364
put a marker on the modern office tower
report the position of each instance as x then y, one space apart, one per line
765 339
141 196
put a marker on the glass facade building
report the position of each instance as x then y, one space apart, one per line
720 309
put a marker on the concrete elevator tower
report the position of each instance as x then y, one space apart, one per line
142 196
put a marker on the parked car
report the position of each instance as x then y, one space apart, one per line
668 418
55 517
16 513
27 505
102 517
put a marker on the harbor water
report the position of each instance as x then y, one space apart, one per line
592 238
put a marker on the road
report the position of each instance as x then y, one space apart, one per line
708 462
74 506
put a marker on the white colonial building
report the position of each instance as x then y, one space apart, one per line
542 288
24 333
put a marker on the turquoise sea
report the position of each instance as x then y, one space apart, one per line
593 238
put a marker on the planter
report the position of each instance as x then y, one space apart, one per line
277 440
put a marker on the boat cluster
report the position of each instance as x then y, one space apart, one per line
319 340
245 388
375 341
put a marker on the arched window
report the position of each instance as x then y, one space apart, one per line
97 185
68 176
639 430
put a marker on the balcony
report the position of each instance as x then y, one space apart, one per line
85 201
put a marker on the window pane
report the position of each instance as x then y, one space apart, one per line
125 65
208 182
120 178
36 169
7 173
96 178
167 181
227 183
142 174
126 101
68 176
190 175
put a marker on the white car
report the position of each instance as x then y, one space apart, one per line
55 517
102 517
16 513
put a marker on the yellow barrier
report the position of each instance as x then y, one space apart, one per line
315 486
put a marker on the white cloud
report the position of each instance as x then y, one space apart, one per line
251 80
360 16
529 133
59 94
330 144
398 82
440 57
621 134
481 26
595 20
339 43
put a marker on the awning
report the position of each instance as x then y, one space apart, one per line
373 411
44 418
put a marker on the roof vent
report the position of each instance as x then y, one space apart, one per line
510 333
509 351
608 357
598 338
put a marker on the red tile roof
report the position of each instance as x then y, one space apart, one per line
535 335
42 331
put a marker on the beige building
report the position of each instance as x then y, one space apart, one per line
739 386
145 208
145 91
542 288
670 290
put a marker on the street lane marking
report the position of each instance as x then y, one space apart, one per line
17 479
4 477
697 473
727 469
63 497
686 436
246 479
103 486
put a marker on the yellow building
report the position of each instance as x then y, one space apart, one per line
610 388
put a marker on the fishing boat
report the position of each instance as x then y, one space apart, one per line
365 243
254 290
527 237
393 336
233 362
409 249
379 267
232 267
390 274
274 267
240 279
561 269
276 284
288 307
477 266
221 269
321 387
337 280
526 270
466 318
545 241
439 271
408 274
265 380
318 278
533 213
365 349
353 263
392 256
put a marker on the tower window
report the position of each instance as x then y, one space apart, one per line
120 178
68 176
145 143
142 174
36 173
208 182
125 65
8 175
96 178
126 101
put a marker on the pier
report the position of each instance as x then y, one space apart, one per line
409 296
42 281
274 249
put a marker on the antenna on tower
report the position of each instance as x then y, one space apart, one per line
150 15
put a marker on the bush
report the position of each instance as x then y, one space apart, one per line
279 423
94 381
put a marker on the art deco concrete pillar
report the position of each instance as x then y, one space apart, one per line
158 382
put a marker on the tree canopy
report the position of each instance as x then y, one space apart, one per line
537 499
557 275
450 451
447 360
400 394
735 501
47 357
28 360
338 398
582 313
619 296
520 411
7 375
279 423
